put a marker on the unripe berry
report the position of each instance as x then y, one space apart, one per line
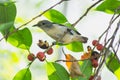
95 42
94 63
43 44
50 51
31 57
100 47
41 56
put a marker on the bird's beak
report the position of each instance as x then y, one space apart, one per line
35 25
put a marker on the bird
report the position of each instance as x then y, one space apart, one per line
60 33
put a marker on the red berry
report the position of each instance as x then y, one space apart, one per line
94 63
95 42
91 78
100 47
41 56
31 57
50 51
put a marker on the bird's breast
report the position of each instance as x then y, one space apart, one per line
56 32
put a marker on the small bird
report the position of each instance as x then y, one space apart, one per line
60 33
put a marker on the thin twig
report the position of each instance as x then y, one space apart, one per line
15 30
41 14
115 54
74 24
79 59
49 48
118 45
110 23
112 20
109 46
69 60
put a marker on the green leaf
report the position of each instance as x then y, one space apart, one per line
23 74
69 25
55 16
7 16
56 72
113 65
21 39
109 6
75 46
86 69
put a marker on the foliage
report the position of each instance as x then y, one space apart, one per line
113 65
22 38
86 69
23 74
108 6
55 16
6 20
56 72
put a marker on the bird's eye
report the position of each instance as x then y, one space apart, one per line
43 23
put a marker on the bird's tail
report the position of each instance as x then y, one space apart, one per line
81 39
84 39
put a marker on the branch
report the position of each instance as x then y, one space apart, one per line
69 60
5 36
118 45
109 46
41 13
49 47
79 59
112 20
115 54
74 24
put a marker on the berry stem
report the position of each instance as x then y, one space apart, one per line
29 64
49 47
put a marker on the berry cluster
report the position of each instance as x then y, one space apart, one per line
41 55
94 58
97 45
94 54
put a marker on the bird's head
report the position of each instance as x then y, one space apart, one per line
43 24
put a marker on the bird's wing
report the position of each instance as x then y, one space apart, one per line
73 31
70 30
